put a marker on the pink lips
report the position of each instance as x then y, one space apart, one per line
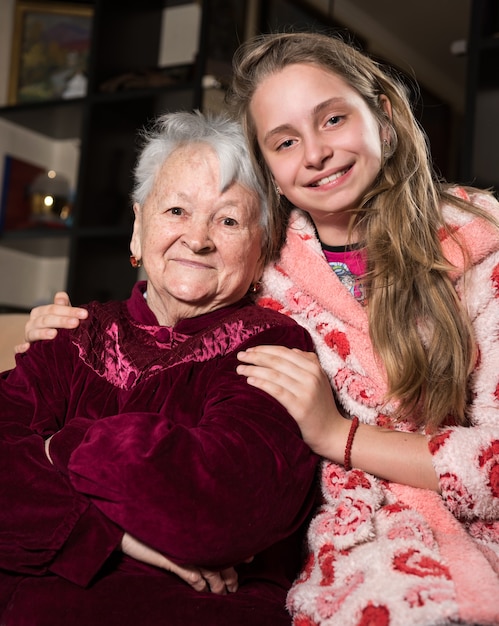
193 264
331 179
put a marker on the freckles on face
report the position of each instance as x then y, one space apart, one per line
201 246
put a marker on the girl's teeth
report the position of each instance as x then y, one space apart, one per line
329 179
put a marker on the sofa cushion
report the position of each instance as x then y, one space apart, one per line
11 334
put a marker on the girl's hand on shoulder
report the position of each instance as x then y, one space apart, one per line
46 319
296 379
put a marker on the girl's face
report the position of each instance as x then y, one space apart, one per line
321 142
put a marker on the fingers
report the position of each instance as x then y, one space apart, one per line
191 575
222 582
32 333
21 347
61 297
280 371
47 449
231 580
276 354
45 320
215 581
293 363
296 380
219 582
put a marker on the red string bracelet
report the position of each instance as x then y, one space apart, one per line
347 462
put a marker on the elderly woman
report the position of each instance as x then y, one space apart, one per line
132 438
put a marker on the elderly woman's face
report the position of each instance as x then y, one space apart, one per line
201 248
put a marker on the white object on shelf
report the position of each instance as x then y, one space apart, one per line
179 34
76 86
459 47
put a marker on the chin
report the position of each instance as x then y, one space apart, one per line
191 293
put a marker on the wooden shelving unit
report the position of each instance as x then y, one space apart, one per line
480 153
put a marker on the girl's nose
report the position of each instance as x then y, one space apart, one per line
316 151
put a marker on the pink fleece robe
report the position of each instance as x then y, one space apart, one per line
382 553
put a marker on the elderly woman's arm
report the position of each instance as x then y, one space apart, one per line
46 525
43 518
214 493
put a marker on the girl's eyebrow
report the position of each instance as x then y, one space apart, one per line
317 110
283 128
336 101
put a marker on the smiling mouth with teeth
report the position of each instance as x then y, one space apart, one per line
329 179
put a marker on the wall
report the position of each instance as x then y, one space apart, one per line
30 276
415 37
28 279
180 31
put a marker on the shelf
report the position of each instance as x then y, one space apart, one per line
150 83
34 233
62 119
125 92
59 119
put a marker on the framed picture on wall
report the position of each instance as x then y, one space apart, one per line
15 209
33 197
50 50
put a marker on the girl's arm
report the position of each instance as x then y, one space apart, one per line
297 381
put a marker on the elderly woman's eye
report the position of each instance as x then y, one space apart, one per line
229 221
176 210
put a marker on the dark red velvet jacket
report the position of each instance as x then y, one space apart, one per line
157 435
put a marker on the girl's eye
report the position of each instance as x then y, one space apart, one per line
285 144
334 120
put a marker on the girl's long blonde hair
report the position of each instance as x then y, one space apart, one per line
418 326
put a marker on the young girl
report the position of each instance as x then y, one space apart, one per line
396 276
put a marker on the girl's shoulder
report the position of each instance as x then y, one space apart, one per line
471 230
462 204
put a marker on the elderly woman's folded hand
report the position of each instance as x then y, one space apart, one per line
220 582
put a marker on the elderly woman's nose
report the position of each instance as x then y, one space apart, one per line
197 235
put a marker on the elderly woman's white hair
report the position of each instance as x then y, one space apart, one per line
223 135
